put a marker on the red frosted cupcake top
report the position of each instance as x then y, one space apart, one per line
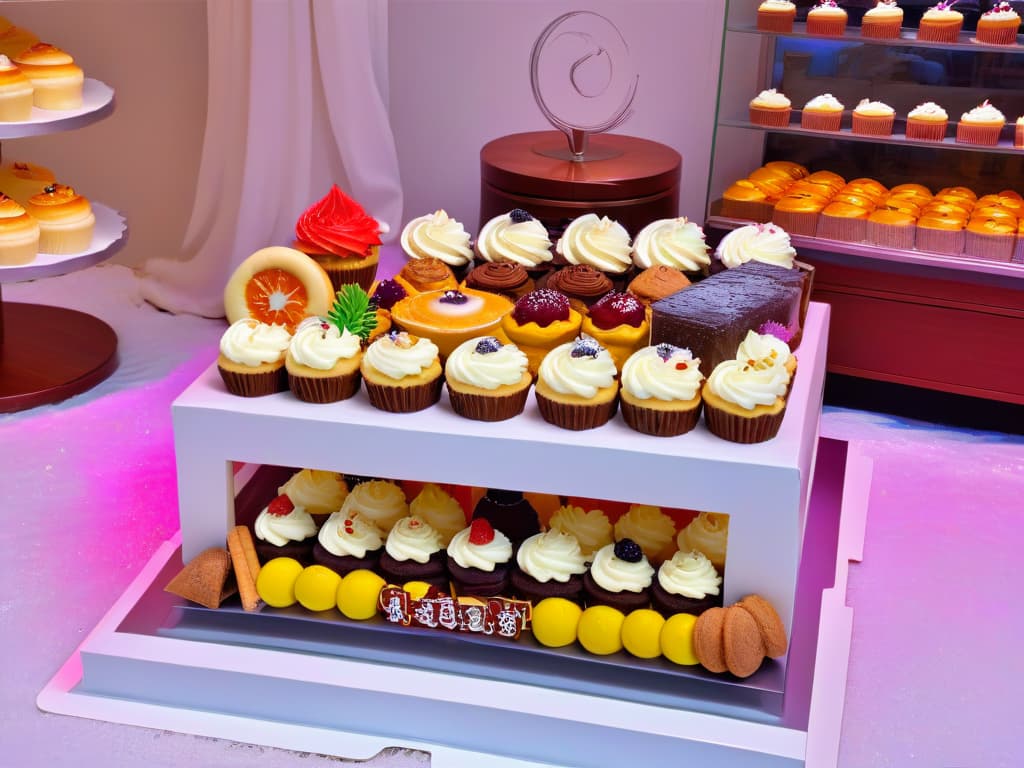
337 224
617 309
542 307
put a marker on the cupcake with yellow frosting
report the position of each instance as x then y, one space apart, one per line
515 237
708 533
873 118
827 19
844 221
576 385
380 502
771 109
15 93
989 238
66 220
981 125
744 402
402 373
882 22
927 122
21 181
660 391
251 359
487 380
941 23
822 113
998 25
651 528
776 16
56 79
437 235
442 512
591 528
19 234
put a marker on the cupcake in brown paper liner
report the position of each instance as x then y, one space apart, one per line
745 403
576 385
660 393
402 373
487 380
252 357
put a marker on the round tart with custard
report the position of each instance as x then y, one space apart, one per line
451 317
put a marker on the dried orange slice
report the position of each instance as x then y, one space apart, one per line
278 285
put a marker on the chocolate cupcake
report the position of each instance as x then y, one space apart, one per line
413 552
509 512
479 560
583 284
283 529
504 278
619 577
656 283
549 564
348 543
688 583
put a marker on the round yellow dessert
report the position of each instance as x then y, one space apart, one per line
600 630
676 639
316 588
555 622
450 317
275 583
358 594
641 633
66 220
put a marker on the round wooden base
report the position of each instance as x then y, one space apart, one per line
48 354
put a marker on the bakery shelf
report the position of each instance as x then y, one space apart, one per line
907 39
845 134
97 103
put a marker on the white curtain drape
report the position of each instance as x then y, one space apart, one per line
297 100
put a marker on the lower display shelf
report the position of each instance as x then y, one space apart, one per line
355 689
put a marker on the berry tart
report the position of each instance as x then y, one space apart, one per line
448 318
619 323
539 322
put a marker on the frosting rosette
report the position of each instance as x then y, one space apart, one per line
349 535
771 98
524 241
379 501
984 113
597 241
338 225
483 557
443 513
320 345
486 363
252 343
615 575
649 527
278 530
414 539
662 372
318 491
580 281
928 111
763 347
569 372
439 236
551 556
591 528
676 243
397 357
825 101
746 385
707 533
766 243
689 574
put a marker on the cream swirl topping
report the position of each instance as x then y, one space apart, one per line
689 574
252 343
525 242
748 386
767 243
649 527
321 345
763 346
319 491
928 110
437 235
707 533
867 107
770 98
886 9
598 242
353 536
591 528
486 363
443 513
984 113
551 556
568 371
776 5
615 575
1001 12
397 355
484 557
942 12
278 530
662 372
379 501
676 243
825 101
413 539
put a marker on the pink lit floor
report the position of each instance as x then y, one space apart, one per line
89 492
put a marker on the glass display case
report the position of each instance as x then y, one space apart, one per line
896 311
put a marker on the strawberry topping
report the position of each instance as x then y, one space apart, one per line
481 532
280 506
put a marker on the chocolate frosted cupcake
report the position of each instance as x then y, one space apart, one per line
479 560
348 543
656 283
581 283
414 552
505 278
510 512
283 529
688 583
549 564
619 577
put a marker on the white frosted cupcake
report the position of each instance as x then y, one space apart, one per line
251 359
688 583
745 403
549 564
414 552
323 362
402 373
487 380
770 108
437 235
770 349
660 390
927 122
677 243
517 238
766 243
576 385
284 529
380 502
598 242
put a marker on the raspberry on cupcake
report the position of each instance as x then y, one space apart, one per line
283 529
620 577
479 560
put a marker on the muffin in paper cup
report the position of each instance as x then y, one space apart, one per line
737 428
404 398
880 30
325 389
402 373
770 118
744 400
256 382
576 416
949 242
660 422
660 390
873 125
926 130
821 121
982 135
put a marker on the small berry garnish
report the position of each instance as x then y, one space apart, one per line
487 345
585 346
615 309
518 216
388 293
280 506
628 551
665 351
542 307
481 532
401 339
681 366
778 330
453 297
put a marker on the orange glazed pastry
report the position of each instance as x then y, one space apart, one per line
822 113
990 239
941 24
15 93
66 220
982 125
927 122
423 275
833 180
873 189
19 234
21 181
964 192
891 229
744 200
56 78
776 16
794 170
798 213
873 118
342 238
905 205
770 108
842 221
994 212
451 317
857 198
14 40
827 19
940 234
541 321
998 25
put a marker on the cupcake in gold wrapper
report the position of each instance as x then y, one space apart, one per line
56 79
66 220
19 234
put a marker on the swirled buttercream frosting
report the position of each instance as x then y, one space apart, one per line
252 343
598 241
551 556
439 236
414 539
615 575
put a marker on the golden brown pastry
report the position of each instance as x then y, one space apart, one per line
21 181
19 234
66 220
15 93
56 78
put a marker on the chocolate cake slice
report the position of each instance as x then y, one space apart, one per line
712 317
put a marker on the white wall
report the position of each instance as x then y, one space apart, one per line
143 159
459 75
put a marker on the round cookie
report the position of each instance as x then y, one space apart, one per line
707 640
773 633
742 646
